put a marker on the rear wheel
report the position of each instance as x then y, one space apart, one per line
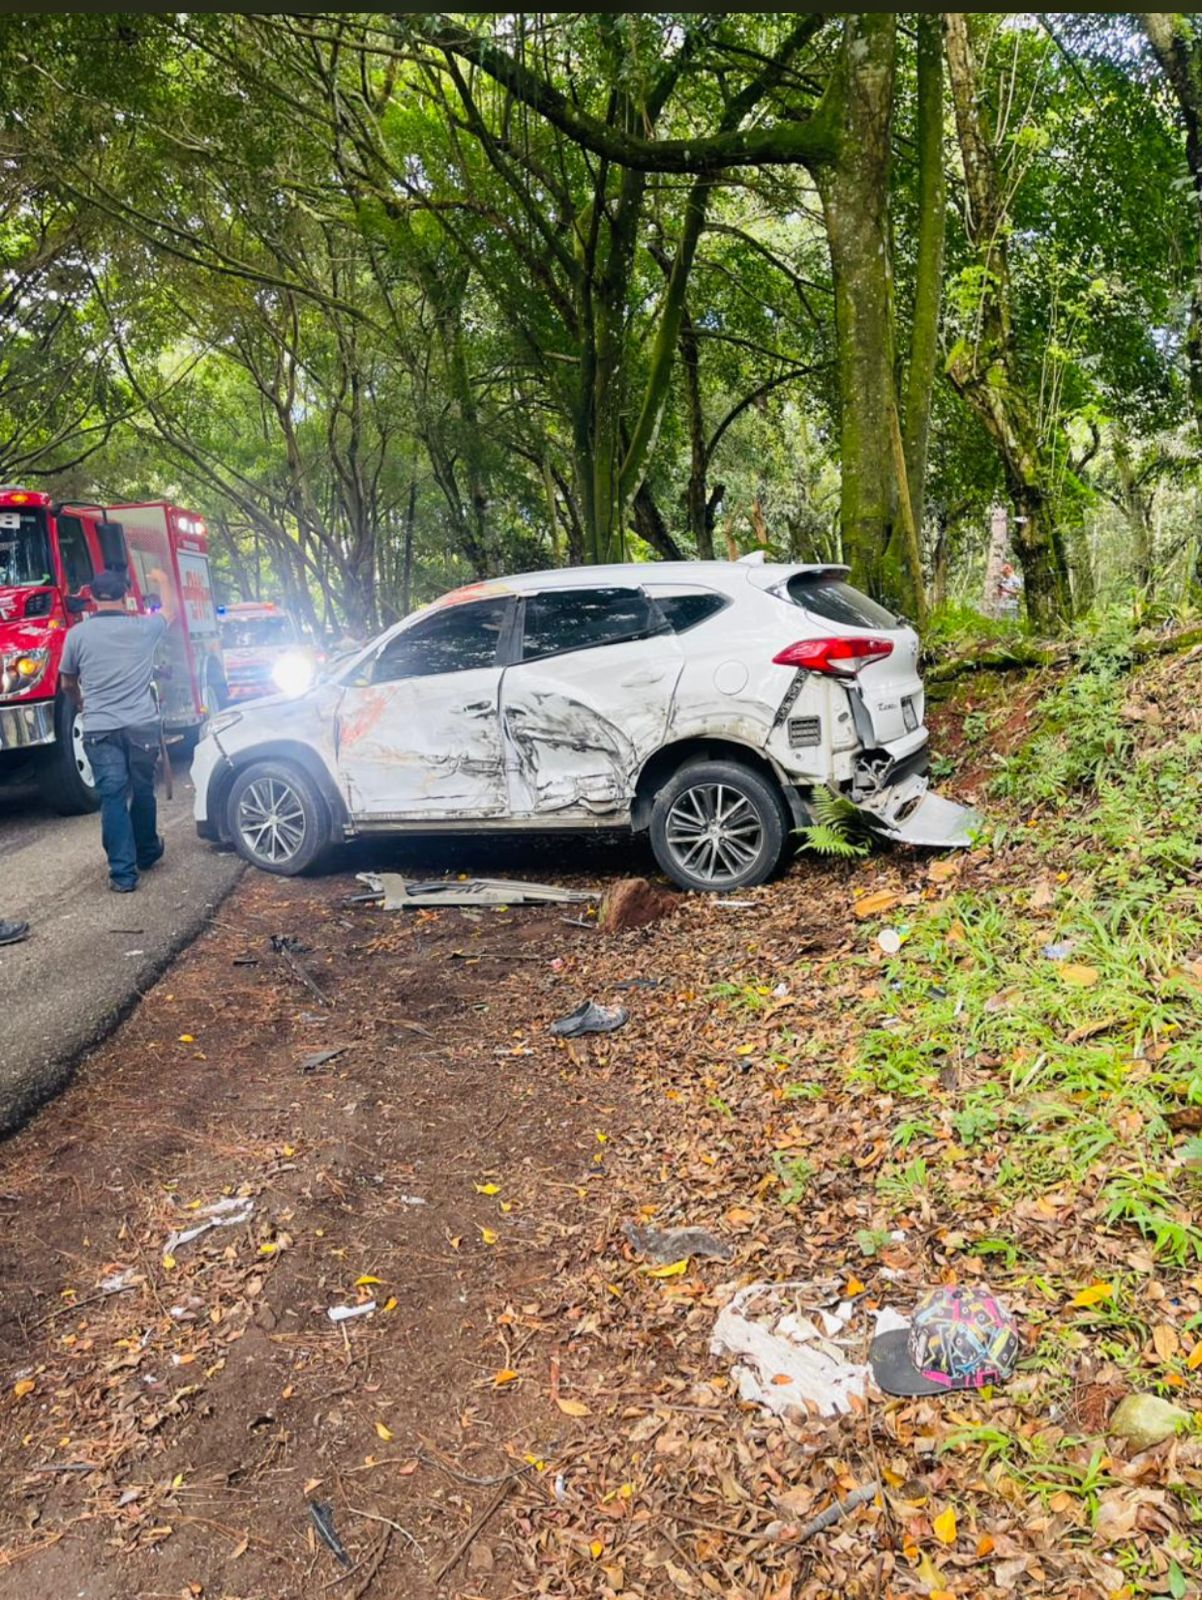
64 772
276 818
718 825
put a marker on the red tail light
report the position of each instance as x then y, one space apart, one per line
836 658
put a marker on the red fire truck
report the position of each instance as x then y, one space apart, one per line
49 554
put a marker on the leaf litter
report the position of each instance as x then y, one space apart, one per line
858 1121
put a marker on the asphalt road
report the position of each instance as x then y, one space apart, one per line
91 952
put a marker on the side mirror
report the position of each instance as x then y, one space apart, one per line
76 604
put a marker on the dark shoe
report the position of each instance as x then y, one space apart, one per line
122 888
155 857
13 932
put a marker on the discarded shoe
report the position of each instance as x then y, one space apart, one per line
590 1018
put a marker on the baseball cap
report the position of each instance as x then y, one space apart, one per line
958 1338
110 585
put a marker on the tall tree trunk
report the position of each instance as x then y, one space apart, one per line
983 369
407 558
854 191
1177 42
650 526
700 518
928 277
1136 503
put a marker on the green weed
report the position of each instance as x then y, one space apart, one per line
794 1173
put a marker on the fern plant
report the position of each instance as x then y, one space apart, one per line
838 828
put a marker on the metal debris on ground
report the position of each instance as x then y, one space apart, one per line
322 1514
320 1057
675 1244
224 1213
590 1018
345 1313
402 894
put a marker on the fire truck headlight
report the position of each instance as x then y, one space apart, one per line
292 673
21 672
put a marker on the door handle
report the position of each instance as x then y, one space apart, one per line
641 680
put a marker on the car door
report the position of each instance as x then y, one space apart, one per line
417 731
587 701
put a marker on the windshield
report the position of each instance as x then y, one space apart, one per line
24 550
255 633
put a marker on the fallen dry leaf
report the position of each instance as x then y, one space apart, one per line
944 1526
1093 1296
573 1408
875 905
1076 975
1165 1341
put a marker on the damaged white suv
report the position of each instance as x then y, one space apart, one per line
701 701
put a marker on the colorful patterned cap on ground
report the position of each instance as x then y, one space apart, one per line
958 1338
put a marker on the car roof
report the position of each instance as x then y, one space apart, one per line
724 575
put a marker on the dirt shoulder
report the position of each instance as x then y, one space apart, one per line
533 1407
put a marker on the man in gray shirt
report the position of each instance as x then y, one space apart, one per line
107 669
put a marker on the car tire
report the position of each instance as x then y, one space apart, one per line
718 825
64 772
276 818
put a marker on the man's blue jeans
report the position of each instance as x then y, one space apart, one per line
123 764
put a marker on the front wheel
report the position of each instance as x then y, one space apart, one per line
717 825
276 818
64 771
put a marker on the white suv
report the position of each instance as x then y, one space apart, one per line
702 701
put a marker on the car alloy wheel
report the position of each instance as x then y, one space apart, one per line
714 833
271 820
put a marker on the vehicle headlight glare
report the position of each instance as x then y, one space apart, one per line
292 673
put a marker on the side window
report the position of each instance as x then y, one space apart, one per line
454 640
582 619
685 611
77 559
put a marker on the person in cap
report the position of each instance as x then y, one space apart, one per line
108 668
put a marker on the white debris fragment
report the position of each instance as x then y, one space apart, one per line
345 1313
413 1200
783 1360
224 1213
117 1281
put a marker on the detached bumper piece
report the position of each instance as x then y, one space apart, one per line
911 814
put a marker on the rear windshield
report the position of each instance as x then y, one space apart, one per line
835 600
